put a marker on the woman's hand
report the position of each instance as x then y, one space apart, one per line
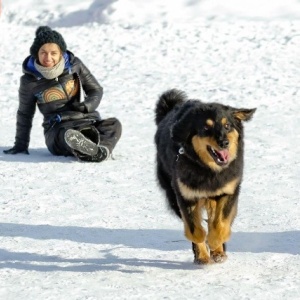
16 149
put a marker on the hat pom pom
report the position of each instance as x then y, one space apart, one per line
42 29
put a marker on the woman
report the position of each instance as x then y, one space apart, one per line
67 95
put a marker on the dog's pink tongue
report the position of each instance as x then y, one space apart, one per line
224 154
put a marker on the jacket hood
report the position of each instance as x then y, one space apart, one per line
29 68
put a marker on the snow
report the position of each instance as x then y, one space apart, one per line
72 230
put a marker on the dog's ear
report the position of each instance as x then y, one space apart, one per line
243 114
181 129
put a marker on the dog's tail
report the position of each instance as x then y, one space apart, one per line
167 101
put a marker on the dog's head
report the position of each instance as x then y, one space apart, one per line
210 132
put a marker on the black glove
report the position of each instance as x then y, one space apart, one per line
77 106
16 149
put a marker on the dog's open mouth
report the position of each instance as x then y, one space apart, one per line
220 156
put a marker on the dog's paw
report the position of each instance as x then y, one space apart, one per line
218 256
203 261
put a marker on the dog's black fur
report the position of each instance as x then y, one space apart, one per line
200 167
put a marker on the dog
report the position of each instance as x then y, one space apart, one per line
199 165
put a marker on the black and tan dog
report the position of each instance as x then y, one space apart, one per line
200 167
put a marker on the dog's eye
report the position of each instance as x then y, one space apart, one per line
206 128
227 126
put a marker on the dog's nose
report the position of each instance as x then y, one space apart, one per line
223 143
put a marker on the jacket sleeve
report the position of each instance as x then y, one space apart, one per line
92 89
25 113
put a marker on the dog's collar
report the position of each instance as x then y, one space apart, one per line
180 152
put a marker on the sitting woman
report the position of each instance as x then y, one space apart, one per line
67 95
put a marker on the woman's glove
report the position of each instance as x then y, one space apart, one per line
16 149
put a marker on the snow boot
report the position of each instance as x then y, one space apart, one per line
79 143
85 144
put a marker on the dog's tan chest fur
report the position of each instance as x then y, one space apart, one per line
191 194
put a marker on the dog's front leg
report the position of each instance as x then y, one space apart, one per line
192 218
201 254
221 213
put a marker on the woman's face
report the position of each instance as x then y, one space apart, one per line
49 55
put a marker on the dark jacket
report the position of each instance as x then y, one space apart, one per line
59 97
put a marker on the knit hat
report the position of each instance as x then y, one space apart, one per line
44 35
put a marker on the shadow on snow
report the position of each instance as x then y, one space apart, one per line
36 155
164 240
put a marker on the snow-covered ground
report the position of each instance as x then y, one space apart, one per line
71 230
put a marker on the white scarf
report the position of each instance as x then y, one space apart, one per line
52 72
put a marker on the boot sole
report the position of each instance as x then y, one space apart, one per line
77 141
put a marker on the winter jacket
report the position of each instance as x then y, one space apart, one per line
57 99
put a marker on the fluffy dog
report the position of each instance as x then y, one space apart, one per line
200 167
